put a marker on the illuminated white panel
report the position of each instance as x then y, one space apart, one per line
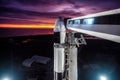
59 59
76 21
73 64
88 21
110 37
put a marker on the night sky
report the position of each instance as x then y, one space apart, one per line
41 14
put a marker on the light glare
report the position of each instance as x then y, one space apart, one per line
6 78
89 21
103 78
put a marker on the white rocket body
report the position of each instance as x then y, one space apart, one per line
73 72
59 54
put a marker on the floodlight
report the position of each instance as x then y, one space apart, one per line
103 78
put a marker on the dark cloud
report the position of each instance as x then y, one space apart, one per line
39 2
23 14
33 2
77 3
5 2
21 21
24 11
14 12
13 15
17 16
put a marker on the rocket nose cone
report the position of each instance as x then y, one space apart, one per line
59 25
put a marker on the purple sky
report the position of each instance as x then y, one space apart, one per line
46 11
38 11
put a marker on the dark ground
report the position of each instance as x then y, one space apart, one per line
98 57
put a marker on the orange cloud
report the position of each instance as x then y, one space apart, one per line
45 26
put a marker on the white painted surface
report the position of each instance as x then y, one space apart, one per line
110 37
59 26
62 37
59 58
73 64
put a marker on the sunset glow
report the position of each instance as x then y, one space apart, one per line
27 26
28 17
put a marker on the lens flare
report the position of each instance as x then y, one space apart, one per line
103 78
6 78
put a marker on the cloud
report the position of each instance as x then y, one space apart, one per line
4 20
5 2
46 11
36 2
13 15
18 15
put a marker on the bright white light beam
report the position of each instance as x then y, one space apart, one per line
6 78
89 21
103 78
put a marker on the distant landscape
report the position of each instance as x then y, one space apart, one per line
12 32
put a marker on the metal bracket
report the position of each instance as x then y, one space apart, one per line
80 41
72 40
